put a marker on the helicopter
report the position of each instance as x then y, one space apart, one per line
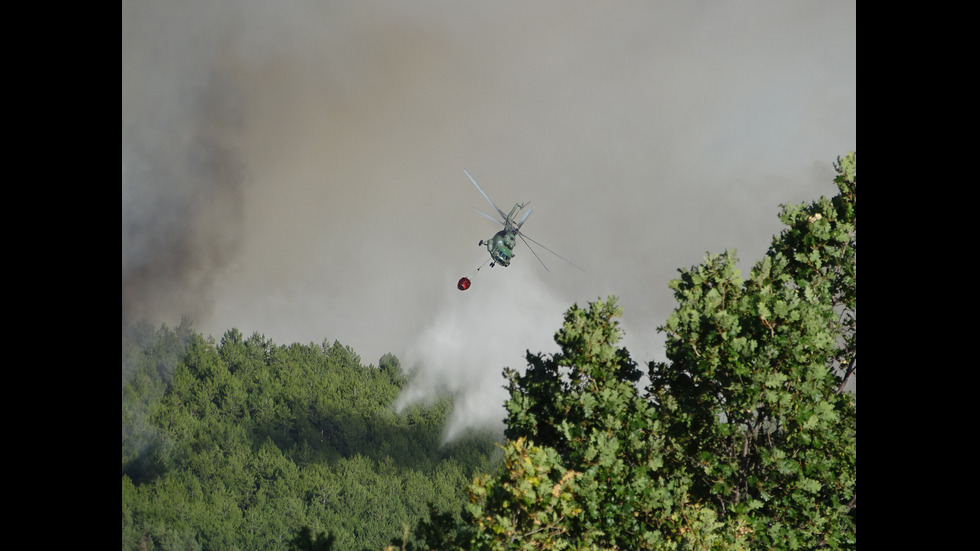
501 245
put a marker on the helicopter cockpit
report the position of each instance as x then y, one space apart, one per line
501 248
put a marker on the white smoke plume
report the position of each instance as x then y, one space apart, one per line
473 335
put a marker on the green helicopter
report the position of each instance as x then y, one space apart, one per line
501 245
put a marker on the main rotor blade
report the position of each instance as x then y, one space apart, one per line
519 224
550 251
534 253
487 197
488 216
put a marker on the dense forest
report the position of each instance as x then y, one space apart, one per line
245 444
744 438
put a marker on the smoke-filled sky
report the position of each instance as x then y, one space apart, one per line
296 168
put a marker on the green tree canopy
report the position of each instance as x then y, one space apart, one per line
243 444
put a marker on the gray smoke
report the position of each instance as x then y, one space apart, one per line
296 168
183 173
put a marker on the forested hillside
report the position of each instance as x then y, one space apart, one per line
245 444
745 438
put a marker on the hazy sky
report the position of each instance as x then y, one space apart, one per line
296 168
